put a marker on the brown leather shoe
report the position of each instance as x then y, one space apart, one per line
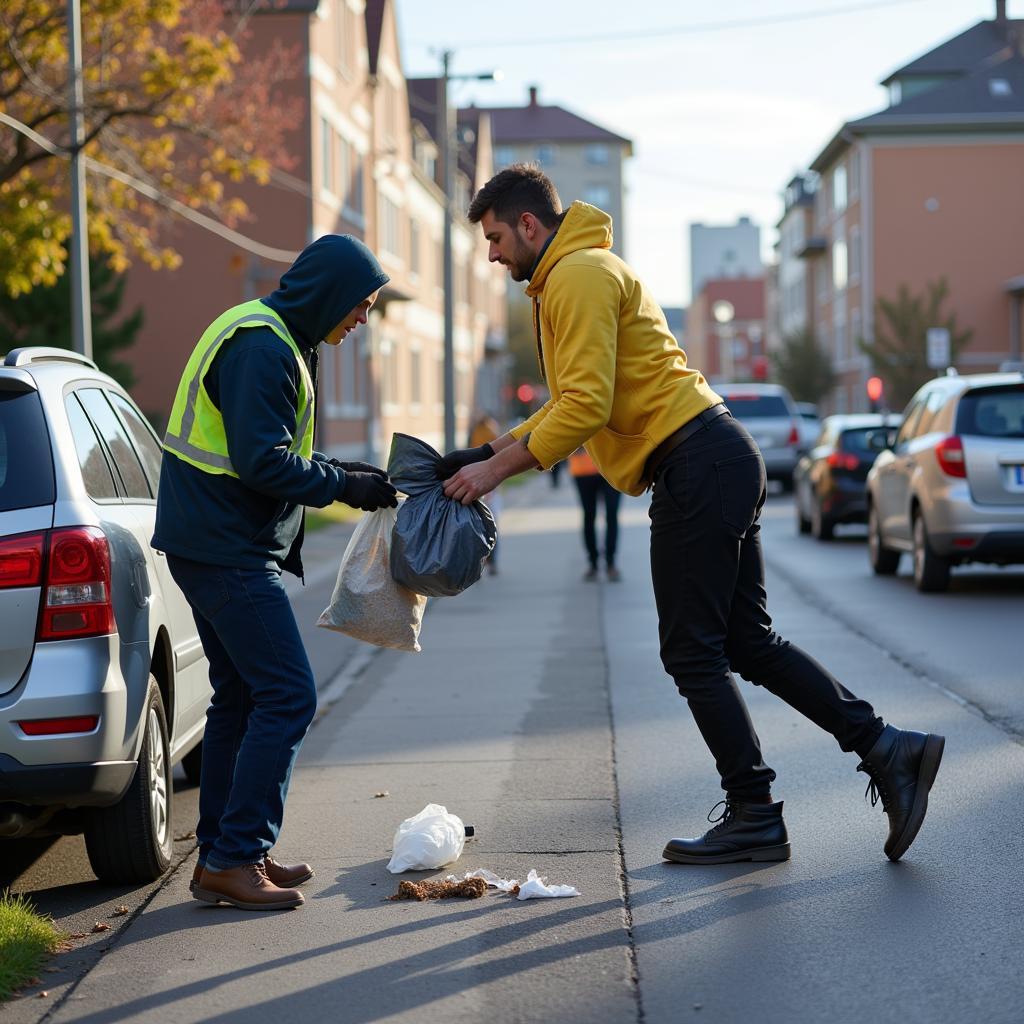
246 887
284 876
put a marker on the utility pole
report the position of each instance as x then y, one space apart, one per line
444 137
81 307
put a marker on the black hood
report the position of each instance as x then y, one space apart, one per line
330 277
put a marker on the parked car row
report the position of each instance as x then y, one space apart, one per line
103 680
944 482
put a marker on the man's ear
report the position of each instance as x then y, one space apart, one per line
529 224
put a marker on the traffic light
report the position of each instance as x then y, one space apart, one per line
874 392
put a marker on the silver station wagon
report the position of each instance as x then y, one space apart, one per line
103 680
949 489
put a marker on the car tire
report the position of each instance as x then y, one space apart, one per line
821 526
884 561
192 764
931 571
131 841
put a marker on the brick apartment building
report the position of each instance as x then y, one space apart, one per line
363 168
928 188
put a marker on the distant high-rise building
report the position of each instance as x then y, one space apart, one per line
723 251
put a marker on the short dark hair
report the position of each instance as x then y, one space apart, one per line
519 189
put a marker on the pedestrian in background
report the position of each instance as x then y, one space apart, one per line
238 470
484 430
592 488
620 383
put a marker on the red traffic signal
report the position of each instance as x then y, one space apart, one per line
874 388
525 393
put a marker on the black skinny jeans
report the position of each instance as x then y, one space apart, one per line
708 571
591 487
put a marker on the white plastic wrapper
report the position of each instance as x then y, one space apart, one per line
427 840
535 887
367 602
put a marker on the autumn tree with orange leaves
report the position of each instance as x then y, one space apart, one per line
169 100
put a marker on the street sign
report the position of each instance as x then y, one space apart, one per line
938 347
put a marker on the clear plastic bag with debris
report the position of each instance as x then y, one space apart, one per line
439 546
368 603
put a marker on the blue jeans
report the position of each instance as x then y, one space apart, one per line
709 586
264 699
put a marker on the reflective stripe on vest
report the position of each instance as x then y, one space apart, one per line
179 441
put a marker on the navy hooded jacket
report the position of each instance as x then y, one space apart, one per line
255 521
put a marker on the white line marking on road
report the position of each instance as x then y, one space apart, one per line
349 673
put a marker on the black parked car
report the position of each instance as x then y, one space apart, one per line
829 480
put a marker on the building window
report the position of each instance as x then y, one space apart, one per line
839 188
326 154
546 155
840 270
389 231
854 253
598 195
414 246
503 156
597 155
415 369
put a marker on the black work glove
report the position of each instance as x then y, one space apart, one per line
369 491
451 463
358 467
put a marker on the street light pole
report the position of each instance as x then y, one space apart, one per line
444 132
81 311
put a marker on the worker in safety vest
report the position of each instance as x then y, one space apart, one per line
238 470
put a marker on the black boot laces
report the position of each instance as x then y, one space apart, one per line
876 786
723 820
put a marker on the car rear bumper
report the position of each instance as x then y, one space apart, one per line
988 546
847 502
961 528
96 784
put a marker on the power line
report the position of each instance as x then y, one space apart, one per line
201 219
656 33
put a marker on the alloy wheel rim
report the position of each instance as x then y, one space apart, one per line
157 778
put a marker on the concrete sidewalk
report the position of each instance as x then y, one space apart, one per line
504 718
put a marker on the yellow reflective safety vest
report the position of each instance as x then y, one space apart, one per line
195 432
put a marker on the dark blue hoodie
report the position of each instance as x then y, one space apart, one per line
255 521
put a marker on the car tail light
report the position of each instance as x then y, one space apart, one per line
21 561
842 460
950 453
794 436
57 726
77 599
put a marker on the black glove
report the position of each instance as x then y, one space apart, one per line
358 467
369 491
451 463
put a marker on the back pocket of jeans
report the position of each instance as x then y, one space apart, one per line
740 482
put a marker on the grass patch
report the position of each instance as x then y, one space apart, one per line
25 939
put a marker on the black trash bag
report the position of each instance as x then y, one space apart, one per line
438 546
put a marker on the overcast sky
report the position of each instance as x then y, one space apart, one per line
720 118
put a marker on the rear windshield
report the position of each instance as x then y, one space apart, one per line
857 440
743 404
26 465
996 412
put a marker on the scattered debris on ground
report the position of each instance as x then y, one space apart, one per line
381 794
467 888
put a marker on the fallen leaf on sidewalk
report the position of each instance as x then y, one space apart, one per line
76 935
382 793
42 995
99 926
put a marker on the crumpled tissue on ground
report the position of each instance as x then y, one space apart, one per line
535 886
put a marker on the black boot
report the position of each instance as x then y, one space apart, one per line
743 832
902 767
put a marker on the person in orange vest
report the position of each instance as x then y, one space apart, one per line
593 487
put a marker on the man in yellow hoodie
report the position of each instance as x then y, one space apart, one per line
620 385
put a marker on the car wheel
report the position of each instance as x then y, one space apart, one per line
884 561
821 527
192 763
131 841
931 571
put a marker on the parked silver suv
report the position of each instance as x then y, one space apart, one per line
770 414
103 680
950 487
